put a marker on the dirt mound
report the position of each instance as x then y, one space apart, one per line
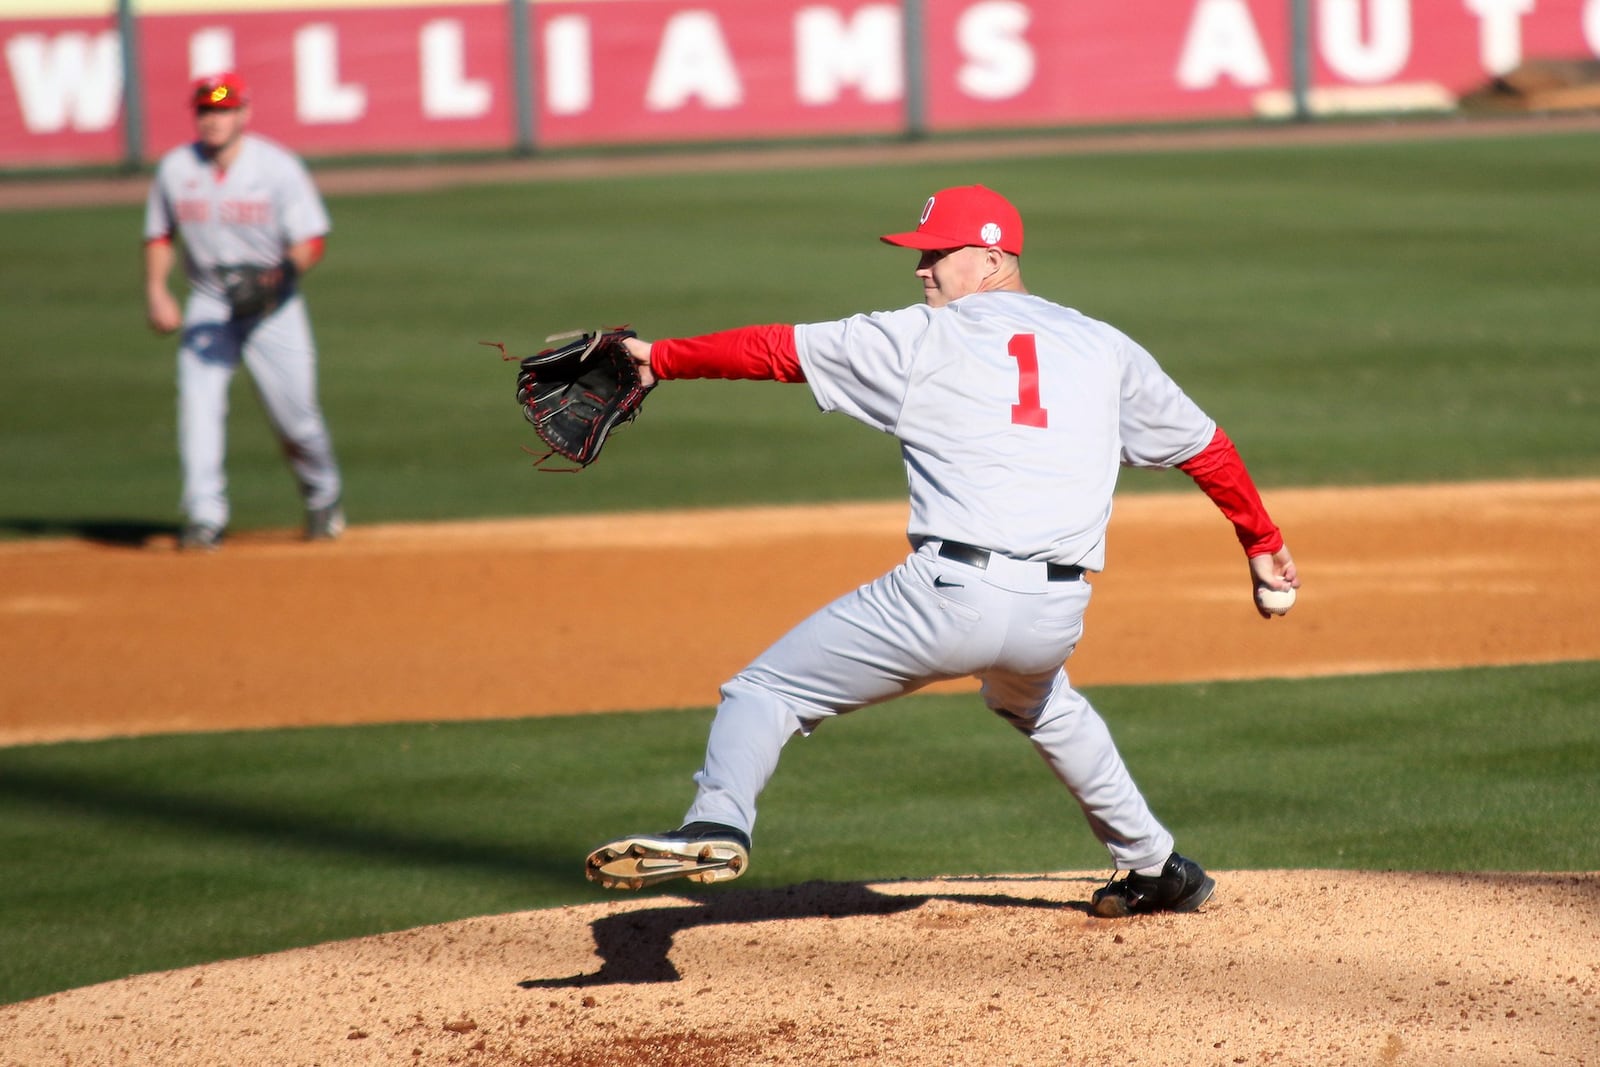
1317 967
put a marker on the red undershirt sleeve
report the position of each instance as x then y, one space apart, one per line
319 247
1220 473
749 352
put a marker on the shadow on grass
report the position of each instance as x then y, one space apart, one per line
213 816
636 945
118 533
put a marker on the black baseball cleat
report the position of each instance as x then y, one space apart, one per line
1182 885
698 851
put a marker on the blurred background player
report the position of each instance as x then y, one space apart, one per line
235 199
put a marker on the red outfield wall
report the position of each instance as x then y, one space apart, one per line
443 76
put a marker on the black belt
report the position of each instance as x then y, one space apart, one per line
979 557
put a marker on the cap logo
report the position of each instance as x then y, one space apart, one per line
927 209
990 233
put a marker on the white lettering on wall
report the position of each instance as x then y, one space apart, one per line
210 51
998 60
693 63
71 80
1384 50
1591 26
1500 32
319 97
568 70
447 92
831 54
1223 42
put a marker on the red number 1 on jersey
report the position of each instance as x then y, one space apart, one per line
1026 411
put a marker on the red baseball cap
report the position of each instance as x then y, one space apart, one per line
219 90
961 216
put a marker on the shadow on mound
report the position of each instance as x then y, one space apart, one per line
636 945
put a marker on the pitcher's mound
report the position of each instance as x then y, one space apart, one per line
1293 967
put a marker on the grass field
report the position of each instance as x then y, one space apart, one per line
1356 314
1362 313
134 855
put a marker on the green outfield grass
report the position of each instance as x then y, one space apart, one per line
1367 313
134 855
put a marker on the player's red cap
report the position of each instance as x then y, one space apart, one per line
961 216
219 90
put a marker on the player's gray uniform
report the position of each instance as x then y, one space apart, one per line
250 214
952 385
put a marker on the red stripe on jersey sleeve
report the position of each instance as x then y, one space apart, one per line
1220 473
749 352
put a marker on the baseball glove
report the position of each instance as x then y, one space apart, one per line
575 394
253 291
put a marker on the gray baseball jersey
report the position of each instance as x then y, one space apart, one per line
1013 415
247 215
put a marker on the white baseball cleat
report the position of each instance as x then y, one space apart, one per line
700 852
325 524
200 537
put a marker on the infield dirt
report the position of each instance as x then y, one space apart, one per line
1282 967
409 623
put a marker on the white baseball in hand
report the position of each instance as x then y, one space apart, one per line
1276 601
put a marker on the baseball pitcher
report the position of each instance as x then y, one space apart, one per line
1014 415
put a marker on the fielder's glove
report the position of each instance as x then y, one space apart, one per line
574 395
253 291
